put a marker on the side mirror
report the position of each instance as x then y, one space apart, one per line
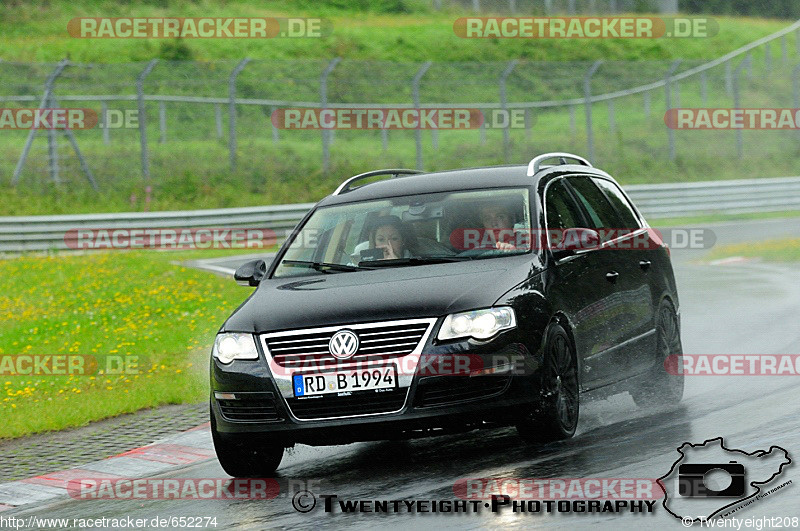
574 240
250 273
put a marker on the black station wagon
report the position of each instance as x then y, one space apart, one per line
431 303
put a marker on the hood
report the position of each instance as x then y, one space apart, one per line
378 295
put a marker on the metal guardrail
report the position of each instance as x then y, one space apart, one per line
41 233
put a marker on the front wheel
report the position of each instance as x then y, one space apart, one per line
660 387
245 456
556 416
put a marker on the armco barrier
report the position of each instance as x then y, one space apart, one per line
38 233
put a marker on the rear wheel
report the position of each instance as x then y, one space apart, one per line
660 387
556 415
245 456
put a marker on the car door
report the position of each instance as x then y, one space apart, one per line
643 262
629 333
576 286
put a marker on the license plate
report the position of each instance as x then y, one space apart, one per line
345 381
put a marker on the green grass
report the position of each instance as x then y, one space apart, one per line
776 250
190 169
107 304
720 218
389 30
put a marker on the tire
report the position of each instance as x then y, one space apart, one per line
556 416
245 456
658 387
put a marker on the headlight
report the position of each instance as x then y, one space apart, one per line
480 324
229 347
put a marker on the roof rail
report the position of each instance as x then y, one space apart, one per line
395 172
536 163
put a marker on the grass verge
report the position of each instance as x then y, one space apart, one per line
776 250
133 305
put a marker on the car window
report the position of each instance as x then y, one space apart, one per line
410 230
602 213
562 211
620 202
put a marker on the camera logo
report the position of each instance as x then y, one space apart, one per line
703 480
709 480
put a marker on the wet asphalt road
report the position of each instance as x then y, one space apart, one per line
742 308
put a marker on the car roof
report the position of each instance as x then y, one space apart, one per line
457 180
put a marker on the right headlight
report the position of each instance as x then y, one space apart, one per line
234 346
480 324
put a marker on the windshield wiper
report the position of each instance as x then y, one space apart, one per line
324 267
416 261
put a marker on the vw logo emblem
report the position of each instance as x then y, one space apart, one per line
343 344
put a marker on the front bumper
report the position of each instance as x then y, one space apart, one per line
247 399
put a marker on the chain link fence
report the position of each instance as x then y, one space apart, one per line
174 124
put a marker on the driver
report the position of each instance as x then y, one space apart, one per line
499 219
389 233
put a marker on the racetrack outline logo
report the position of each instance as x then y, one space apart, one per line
741 455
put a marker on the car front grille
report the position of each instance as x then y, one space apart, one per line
377 342
359 403
439 391
249 410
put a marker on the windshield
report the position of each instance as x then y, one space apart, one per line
410 230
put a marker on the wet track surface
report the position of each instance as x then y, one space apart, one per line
745 308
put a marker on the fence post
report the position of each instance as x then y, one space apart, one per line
218 119
504 104
668 93
275 133
162 122
52 152
749 66
384 139
647 104
737 105
476 6
104 118
587 96
612 119
796 88
767 58
415 94
548 8
512 6
527 124
48 89
704 88
784 51
572 128
232 111
570 7
323 99
143 119
728 77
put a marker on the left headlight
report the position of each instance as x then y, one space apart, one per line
480 324
234 346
